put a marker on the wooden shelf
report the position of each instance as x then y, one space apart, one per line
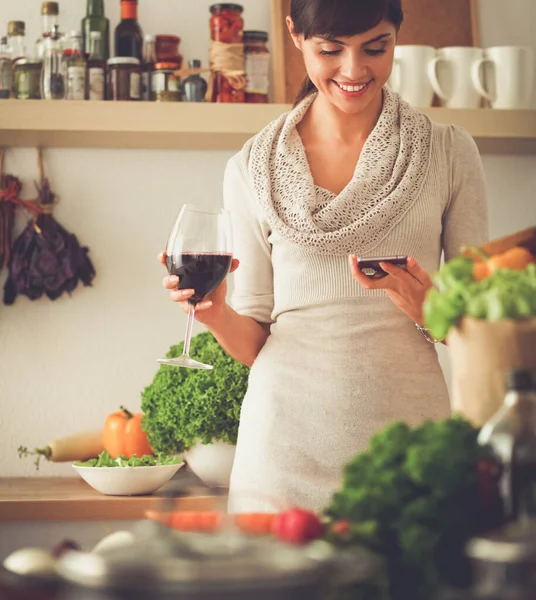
210 126
72 499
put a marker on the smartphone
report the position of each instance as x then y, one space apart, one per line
371 266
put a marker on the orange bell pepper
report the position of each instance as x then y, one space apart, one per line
123 435
515 259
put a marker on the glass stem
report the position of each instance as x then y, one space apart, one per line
189 327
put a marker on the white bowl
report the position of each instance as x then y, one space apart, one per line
127 481
212 463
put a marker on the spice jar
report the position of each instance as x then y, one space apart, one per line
166 85
167 49
27 79
257 60
227 27
123 80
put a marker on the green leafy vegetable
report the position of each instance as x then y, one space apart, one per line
105 460
505 294
414 497
184 406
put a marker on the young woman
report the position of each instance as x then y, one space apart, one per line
352 171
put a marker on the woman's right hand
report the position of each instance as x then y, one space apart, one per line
211 308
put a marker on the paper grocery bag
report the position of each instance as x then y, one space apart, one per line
481 354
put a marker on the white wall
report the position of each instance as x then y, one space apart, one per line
64 365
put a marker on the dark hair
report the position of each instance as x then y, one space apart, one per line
342 18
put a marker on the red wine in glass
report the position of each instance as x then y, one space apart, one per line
199 253
201 272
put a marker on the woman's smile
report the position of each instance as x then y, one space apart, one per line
352 90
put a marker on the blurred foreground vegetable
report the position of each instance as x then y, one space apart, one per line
502 288
184 406
415 497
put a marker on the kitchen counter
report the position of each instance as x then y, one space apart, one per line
72 499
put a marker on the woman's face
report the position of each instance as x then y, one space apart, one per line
351 71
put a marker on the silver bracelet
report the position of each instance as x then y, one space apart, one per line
427 335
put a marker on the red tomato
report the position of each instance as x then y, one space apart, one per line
298 526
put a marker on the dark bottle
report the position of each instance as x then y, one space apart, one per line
147 67
96 21
194 87
96 69
511 434
128 35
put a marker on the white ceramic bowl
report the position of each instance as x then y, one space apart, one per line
212 463
127 481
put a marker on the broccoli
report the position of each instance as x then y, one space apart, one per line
413 497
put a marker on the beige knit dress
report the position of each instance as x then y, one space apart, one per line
341 361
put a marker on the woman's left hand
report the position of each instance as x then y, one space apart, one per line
405 287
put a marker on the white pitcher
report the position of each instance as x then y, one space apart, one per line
409 77
505 76
453 76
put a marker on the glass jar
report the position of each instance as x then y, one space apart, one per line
123 78
227 27
257 59
167 49
27 79
166 85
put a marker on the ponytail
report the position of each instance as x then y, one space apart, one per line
308 87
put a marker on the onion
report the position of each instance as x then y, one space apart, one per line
31 561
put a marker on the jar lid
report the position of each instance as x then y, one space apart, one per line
255 36
123 60
149 37
522 380
235 7
28 63
50 8
514 543
166 66
175 39
16 28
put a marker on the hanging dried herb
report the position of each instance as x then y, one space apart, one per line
9 188
46 259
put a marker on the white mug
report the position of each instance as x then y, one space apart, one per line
508 76
409 77
452 74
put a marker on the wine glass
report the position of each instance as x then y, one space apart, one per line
199 253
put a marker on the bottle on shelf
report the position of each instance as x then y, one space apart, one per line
16 33
6 68
511 434
96 68
128 34
96 21
53 72
147 66
49 19
194 87
76 68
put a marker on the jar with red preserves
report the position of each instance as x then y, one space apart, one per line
227 27
257 61
167 49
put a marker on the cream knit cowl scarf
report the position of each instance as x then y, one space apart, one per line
388 179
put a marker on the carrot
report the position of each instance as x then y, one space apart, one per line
80 446
480 271
210 522
516 259
256 523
